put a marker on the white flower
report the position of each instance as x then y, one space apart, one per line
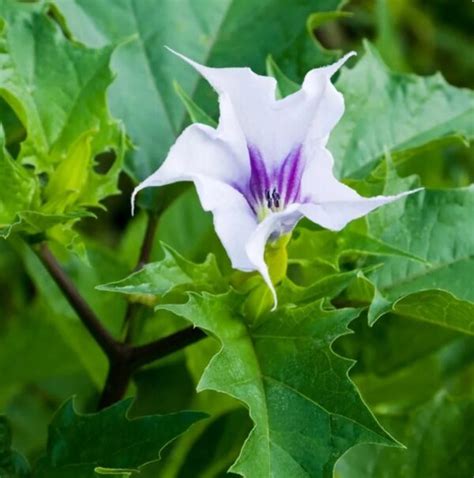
266 165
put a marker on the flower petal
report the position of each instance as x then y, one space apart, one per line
201 155
277 127
200 150
330 203
337 214
329 102
234 221
274 224
318 183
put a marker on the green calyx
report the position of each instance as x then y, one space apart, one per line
276 258
260 299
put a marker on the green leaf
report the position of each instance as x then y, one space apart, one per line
307 414
285 86
326 288
17 185
404 384
434 225
438 438
317 20
406 363
217 405
108 440
172 274
33 222
307 52
12 464
216 32
14 130
218 446
197 114
389 40
331 247
386 110
438 307
186 218
39 68
22 341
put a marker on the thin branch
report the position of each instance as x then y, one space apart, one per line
129 320
130 359
118 377
148 240
160 348
88 317
124 359
143 258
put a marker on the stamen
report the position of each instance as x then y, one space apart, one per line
268 198
276 198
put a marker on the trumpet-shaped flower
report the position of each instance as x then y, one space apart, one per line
266 165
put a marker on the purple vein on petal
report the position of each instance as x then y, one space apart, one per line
259 180
289 176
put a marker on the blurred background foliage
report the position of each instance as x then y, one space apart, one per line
53 359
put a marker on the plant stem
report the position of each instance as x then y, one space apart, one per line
143 258
160 348
118 377
88 317
124 359
132 358
148 240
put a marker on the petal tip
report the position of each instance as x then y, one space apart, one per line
339 63
273 292
407 193
184 58
132 199
275 305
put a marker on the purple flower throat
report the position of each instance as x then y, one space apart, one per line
272 190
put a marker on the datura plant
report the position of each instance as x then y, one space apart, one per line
290 296
266 165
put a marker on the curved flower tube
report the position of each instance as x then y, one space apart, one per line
266 165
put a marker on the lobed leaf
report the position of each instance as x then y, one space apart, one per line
326 288
57 89
306 410
331 247
19 188
172 273
108 441
438 437
433 225
396 112
12 464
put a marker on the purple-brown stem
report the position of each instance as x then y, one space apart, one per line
124 359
